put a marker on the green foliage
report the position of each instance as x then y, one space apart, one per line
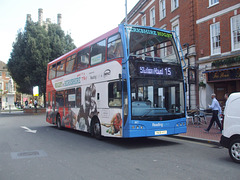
226 62
32 50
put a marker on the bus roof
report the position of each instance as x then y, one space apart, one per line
104 36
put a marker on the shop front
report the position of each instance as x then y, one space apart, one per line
225 80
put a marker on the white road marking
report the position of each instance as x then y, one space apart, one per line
28 130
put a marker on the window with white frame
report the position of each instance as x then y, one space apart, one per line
162 9
152 16
6 86
235 32
144 20
174 4
175 28
213 2
215 38
163 51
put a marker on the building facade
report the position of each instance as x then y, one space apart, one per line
176 15
218 48
6 86
209 33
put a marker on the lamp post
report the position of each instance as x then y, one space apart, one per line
189 84
126 19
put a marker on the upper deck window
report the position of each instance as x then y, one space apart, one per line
149 45
115 49
98 52
70 64
52 71
60 68
83 59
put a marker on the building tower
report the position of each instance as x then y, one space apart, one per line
40 16
59 19
29 18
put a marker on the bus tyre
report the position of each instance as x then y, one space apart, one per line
58 122
96 129
234 150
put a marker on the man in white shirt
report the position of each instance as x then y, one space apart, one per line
216 110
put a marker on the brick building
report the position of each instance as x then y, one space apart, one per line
198 24
218 48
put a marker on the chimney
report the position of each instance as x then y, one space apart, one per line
59 19
40 16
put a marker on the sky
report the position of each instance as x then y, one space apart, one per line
83 19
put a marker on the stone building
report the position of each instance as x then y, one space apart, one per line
41 22
6 87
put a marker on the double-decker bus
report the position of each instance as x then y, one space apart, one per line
126 83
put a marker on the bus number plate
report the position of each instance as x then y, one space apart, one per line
160 132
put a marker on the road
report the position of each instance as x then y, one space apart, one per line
31 149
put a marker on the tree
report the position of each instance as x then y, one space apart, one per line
32 50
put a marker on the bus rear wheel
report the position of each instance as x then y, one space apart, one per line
96 129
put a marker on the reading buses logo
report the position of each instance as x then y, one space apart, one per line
107 72
157 124
151 32
68 82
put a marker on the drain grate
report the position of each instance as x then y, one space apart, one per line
28 154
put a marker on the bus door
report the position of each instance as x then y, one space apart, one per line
114 127
69 115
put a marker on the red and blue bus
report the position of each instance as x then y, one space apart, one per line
126 83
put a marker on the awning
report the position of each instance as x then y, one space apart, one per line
218 70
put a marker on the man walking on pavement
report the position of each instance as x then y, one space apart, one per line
216 110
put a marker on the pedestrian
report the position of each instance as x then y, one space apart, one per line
226 96
216 109
35 105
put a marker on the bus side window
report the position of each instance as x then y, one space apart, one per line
52 71
114 96
83 59
49 99
71 64
59 99
115 49
78 97
70 98
60 68
98 52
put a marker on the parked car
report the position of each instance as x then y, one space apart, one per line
231 127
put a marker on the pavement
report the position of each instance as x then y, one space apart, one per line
195 132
